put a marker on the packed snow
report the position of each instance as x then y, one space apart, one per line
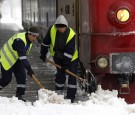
102 102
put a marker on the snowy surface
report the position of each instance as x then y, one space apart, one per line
103 102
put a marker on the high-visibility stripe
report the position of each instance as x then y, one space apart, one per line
21 85
72 86
7 58
68 55
71 34
22 57
45 45
53 35
11 51
59 85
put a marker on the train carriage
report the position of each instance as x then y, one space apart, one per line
112 45
41 13
105 35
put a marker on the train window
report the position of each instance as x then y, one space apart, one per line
34 16
73 7
61 10
67 9
28 18
123 15
47 19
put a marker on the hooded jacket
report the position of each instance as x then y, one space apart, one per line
53 38
61 20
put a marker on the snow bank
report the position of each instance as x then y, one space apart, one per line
102 102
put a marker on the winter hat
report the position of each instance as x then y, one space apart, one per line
33 31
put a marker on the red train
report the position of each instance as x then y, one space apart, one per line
105 34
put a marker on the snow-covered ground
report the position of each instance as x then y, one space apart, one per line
103 102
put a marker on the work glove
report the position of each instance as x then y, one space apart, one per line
43 58
30 72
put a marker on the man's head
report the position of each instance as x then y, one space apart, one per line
61 23
33 33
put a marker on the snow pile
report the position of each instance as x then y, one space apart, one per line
103 96
102 102
107 99
99 97
47 96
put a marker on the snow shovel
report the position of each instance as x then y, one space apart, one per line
89 81
45 95
67 71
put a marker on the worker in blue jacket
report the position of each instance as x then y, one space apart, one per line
13 59
60 39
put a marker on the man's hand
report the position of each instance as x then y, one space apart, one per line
43 58
30 72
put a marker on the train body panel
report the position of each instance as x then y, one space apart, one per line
105 35
108 38
112 45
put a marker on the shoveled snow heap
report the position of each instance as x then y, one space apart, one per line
48 96
105 99
99 97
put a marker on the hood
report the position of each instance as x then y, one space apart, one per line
61 20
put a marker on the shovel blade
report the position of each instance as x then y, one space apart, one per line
92 82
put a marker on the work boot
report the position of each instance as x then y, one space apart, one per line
72 98
20 98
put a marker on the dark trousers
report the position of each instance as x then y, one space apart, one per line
72 82
19 72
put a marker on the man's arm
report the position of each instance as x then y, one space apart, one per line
45 45
19 46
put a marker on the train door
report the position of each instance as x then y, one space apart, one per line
68 9
77 14
84 33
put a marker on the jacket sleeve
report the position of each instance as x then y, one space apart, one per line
19 46
45 44
69 52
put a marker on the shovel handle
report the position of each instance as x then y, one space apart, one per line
67 71
37 81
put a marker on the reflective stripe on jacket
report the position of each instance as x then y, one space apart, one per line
8 55
53 37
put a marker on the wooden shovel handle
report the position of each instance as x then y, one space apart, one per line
67 71
37 81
